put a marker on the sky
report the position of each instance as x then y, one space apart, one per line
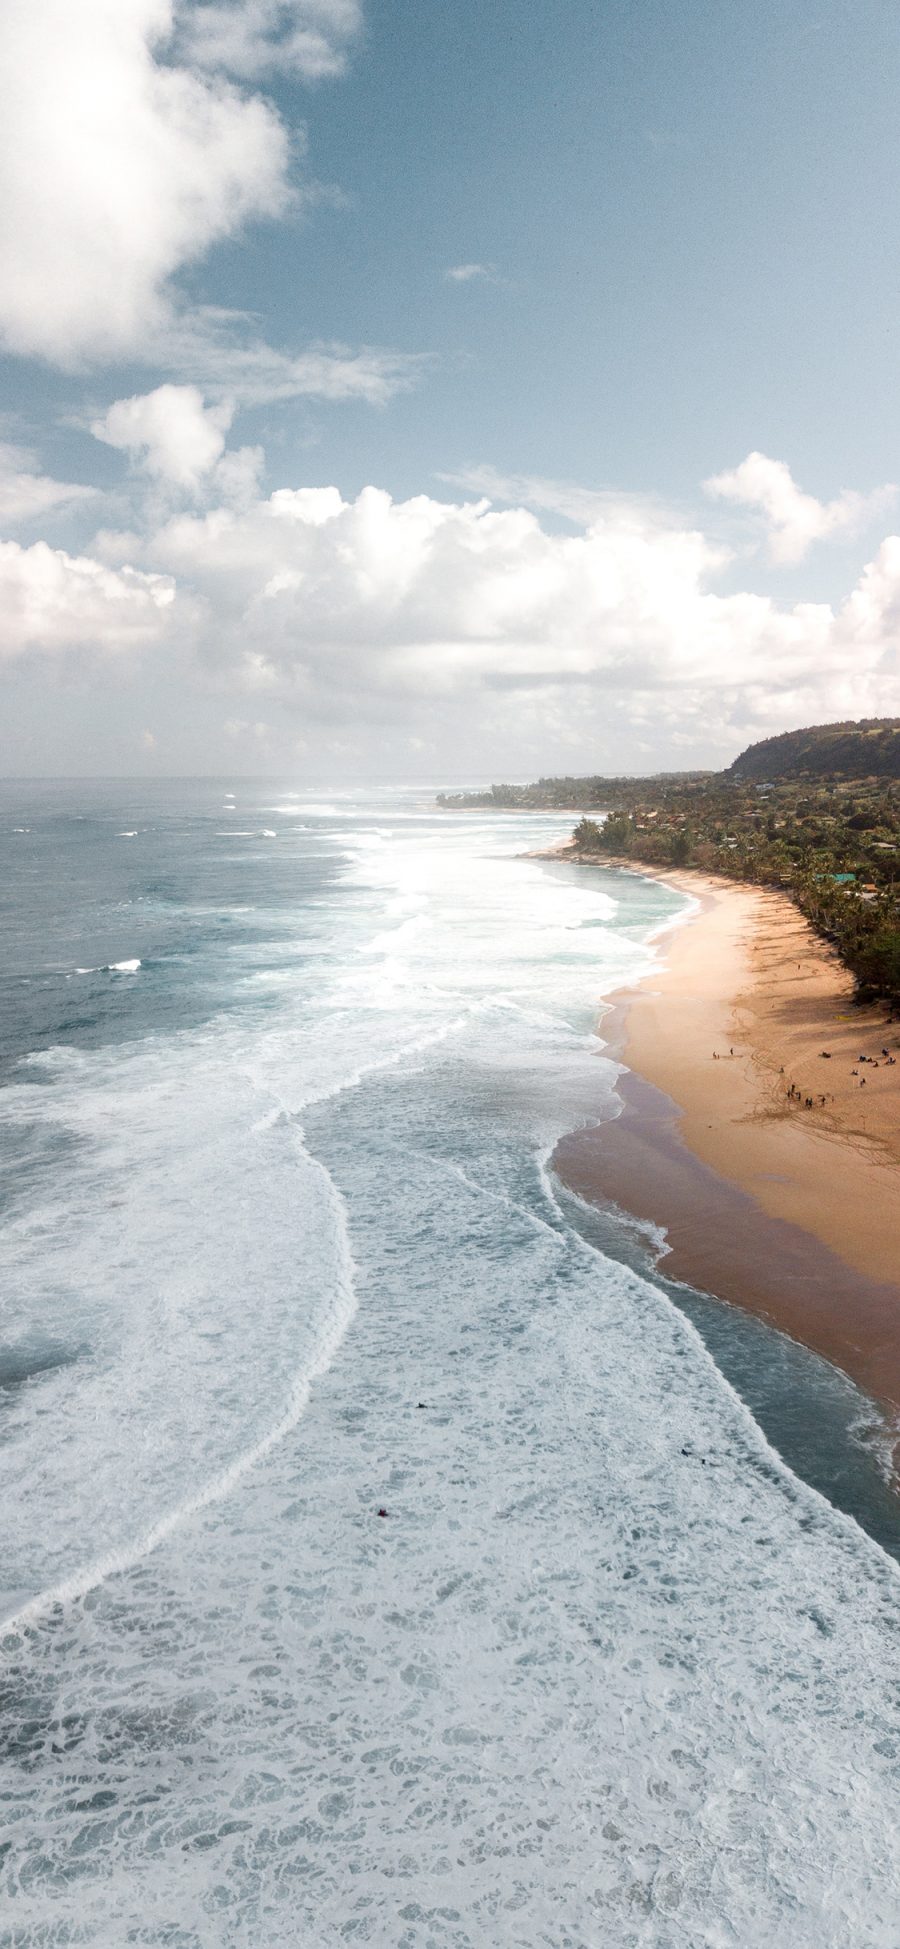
445 391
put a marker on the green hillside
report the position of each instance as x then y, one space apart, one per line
869 748
814 812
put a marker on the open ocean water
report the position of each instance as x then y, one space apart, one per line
281 1074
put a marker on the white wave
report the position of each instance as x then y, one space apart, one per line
591 1535
123 967
127 835
95 1110
266 975
845 1525
402 934
115 1562
303 809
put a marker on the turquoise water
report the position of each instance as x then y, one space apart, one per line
282 1075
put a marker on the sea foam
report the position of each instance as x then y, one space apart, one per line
605 1672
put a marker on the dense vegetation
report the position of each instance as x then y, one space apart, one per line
560 794
867 749
834 847
831 840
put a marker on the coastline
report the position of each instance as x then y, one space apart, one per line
791 1212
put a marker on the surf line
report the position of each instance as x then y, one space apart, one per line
116 1562
755 1442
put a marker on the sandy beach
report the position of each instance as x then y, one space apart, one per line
787 1204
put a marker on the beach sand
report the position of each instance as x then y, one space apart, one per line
791 1212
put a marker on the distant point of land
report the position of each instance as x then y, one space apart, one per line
815 812
869 748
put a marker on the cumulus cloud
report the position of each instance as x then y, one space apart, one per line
125 154
26 494
427 596
54 602
794 519
429 625
169 432
236 476
250 38
116 168
373 606
173 434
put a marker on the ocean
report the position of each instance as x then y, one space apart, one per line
391 1554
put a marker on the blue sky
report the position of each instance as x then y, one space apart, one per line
674 233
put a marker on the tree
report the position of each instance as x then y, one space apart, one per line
616 833
587 836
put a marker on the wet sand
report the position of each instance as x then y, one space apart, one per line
791 1212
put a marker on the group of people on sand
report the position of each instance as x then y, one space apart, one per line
874 1061
809 1102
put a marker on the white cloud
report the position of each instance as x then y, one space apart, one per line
25 494
173 434
467 632
212 348
51 601
237 475
581 505
169 432
373 607
116 168
795 520
249 38
466 273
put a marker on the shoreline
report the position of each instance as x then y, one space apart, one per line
790 1212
